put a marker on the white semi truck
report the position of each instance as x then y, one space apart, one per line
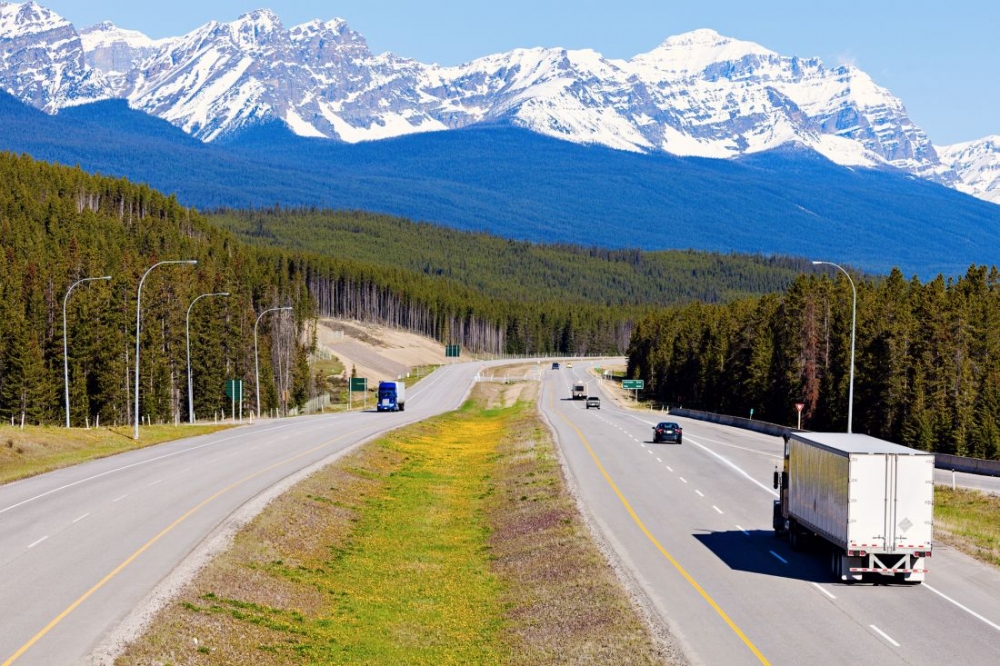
871 500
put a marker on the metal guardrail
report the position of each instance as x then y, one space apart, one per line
941 460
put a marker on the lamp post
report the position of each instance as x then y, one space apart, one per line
187 333
138 310
256 360
65 344
854 319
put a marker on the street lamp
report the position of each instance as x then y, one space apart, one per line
138 309
256 361
854 319
187 330
65 345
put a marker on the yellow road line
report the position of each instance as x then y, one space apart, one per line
131 558
666 554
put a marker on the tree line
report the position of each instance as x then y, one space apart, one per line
927 358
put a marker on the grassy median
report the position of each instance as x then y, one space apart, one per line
35 450
968 520
452 541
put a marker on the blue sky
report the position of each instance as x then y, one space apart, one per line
940 57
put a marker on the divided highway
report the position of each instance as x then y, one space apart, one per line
693 524
81 547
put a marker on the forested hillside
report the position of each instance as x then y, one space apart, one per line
58 225
927 369
524 271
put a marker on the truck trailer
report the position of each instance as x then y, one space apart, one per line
870 500
391 397
579 391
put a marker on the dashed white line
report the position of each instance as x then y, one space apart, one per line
670 468
700 494
659 461
155 482
717 509
883 634
75 521
119 499
967 610
742 530
38 542
783 560
823 590
682 479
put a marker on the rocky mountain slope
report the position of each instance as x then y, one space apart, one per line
697 94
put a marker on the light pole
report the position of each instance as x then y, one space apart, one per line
256 360
65 345
187 332
854 319
138 310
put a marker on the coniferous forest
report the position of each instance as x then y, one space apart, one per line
927 358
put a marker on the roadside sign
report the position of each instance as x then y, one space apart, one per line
633 384
359 384
234 389
452 351
799 406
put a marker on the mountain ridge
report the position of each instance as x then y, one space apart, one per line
697 94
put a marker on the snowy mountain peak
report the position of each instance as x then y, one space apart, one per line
696 94
691 53
977 164
28 18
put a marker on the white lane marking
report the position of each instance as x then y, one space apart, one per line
38 542
118 499
717 509
135 464
965 608
823 590
670 468
883 634
649 452
742 530
783 560
658 460
742 448
80 518
733 465
700 494
156 482
682 479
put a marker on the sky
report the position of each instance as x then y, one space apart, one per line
940 57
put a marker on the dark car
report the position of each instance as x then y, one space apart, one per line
667 432
555 366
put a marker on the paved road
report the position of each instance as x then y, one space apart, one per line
692 522
81 547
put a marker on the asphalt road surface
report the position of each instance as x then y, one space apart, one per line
83 546
693 523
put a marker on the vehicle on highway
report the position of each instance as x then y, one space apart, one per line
579 391
555 366
593 401
870 500
391 397
569 365
667 431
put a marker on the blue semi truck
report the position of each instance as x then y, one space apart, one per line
391 396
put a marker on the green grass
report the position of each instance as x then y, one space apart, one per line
35 450
970 521
451 541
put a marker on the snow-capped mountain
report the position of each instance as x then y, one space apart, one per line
697 94
977 164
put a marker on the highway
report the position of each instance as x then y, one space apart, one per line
81 547
692 522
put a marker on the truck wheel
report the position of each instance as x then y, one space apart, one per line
794 536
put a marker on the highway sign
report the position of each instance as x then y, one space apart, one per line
633 384
359 383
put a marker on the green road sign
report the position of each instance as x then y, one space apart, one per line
359 383
234 389
451 351
633 384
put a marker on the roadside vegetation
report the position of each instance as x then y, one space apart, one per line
35 450
451 541
968 520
